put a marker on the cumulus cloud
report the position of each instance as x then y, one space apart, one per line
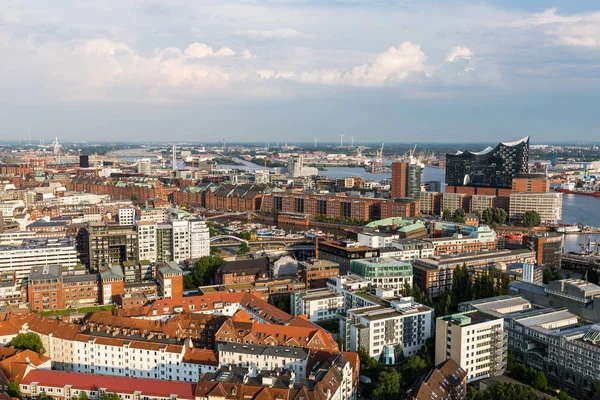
392 66
268 34
459 52
201 50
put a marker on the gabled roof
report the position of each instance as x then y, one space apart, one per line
14 368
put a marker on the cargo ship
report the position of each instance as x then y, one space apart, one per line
570 188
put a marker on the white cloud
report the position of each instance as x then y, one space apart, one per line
201 50
247 55
459 52
268 34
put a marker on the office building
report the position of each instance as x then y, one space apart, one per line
434 275
406 179
481 202
315 273
548 248
112 284
536 183
430 203
32 253
388 334
385 273
84 161
144 166
547 205
479 239
344 251
454 201
475 340
432 186
491 167
259 357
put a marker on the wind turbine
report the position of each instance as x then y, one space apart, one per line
316 140
341 139
352 138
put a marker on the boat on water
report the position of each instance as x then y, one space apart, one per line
514 236
568 229
265 233
570 188
312 234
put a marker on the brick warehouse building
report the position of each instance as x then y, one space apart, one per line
245 197
339 206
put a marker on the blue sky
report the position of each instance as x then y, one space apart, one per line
289 70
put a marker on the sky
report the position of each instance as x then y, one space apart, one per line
292 70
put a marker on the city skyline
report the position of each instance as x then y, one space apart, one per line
279 70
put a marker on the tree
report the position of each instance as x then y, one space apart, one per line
244 248
563 396
388 386
204 270
531 219
134 198
83 396
547 275
500 215
477 214
27 341
488 216
508 391
502 285
14 390
109 396
540 382
406 289
413 368
188 282
447 214
368 365
459 215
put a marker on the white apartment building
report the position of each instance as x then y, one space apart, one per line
388 333
475 340
547 204
199 239
37 252
126 216
146 241
317 304
191 239
158 215
263 357
350 286
122 357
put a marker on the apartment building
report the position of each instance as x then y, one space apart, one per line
481 202
353 288
164 242
430 202
147 246
157 215
67 385
190 239
111 244
126 216
317 304
21 258
344 251
475 340
454 201
547 204
386 273
388 333
259 357
51 288
447 381
170 280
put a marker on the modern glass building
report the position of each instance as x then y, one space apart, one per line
387 273
491 167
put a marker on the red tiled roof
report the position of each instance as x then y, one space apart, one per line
14 367
200 356
112 384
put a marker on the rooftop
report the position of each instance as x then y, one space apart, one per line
468 318
269 351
